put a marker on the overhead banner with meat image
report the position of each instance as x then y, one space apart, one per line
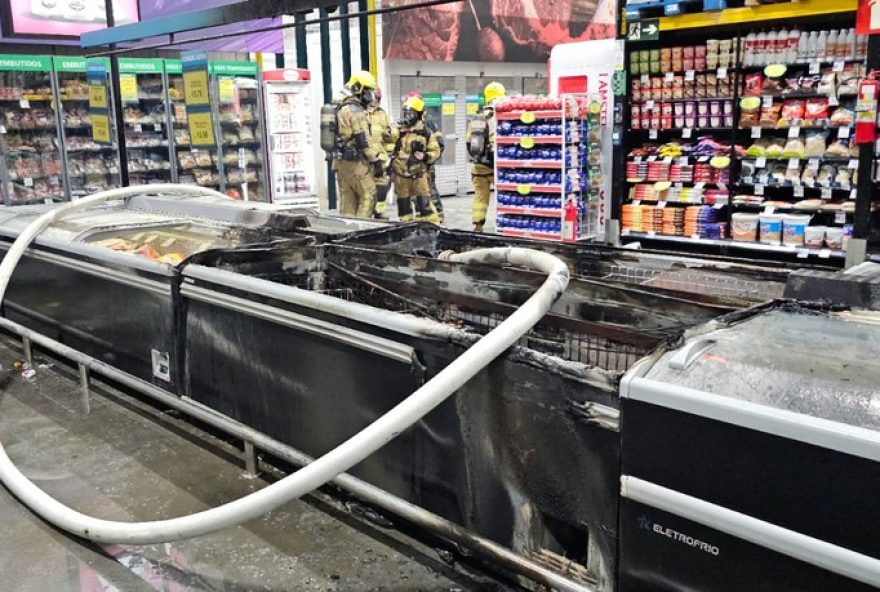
493 30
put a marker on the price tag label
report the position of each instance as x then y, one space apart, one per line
824 253
2 129
652 158
759 189
128 88
669 77
794 163
54 180
838 66
794 131
756 132
695 237
718 206
843 132
683 160
763 178
767 102
637 159
703 159
157 127
833 101
645 79
826 193
722 73
813 164
637 202
803 253
689 75
687 132
195 88
201 128
652 233
852 194
769 210
679 186
624 232
667 160
24 104
814 67
661 204
853 164
652 135
28 181
649 105
798 190
760 162
138 127
839 217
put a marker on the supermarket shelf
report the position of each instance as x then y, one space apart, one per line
516 115
501 140
299 151
237 123
785 129
789 208
43 130
532 188
529 164
674 202
530 234
807 64
752 246
97 149
675 130
673 159
763 12
82 99
543 212
837 159
695 100
774 186
241 144
677 184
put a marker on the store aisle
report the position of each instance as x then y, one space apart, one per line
120 462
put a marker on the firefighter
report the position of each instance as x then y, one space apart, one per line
381 136
357 159
432 170
480 138
415 150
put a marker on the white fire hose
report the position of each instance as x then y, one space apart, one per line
322 470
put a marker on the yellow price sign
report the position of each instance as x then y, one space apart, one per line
128 88
448 109
195 87
101 128
201 128
524 189
97 96
227 90
473 108
527 143
527 117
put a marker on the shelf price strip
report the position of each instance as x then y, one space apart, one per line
197 99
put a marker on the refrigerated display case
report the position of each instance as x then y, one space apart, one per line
31 164
239 112
195 166
143 95
88 165
235 164
291 162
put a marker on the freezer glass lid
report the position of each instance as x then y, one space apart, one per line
826 365
167 244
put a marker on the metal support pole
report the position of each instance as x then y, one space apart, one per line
117 104
364 37
84 388
250 460
345 34
302 51
327 79
27 351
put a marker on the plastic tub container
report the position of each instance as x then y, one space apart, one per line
794 229
744 227
770 228
814 236
834 237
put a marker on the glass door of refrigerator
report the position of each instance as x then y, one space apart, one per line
241 141
31 142
89 166
292 164
145 120
195 166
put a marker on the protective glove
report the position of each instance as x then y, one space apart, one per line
378 169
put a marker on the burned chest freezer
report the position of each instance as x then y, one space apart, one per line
106 281
751 456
